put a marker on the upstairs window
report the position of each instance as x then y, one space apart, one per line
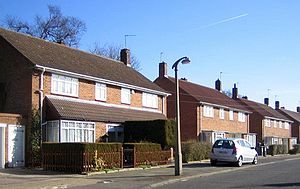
241 117
100 92
125 96
280 124
150 100
286 125
275 123
221 113
231 115
208 111
64 85
267 123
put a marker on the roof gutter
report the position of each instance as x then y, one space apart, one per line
96 79
279 119
225 107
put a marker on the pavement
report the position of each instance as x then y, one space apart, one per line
124 178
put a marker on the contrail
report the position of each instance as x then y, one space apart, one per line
223 21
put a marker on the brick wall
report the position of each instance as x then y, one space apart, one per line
255 125
215 123
15 73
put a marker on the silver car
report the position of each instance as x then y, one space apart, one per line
235 150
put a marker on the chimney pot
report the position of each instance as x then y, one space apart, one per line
218 85
298 109
276 105
245 97
234 92
266 101
163 69
125 57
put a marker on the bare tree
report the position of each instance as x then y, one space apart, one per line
113 52
56 27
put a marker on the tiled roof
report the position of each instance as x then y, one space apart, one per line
206 95
261 109
294 115
57 56
75 110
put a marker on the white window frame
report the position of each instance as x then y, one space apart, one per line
267 122
83 128
280 124
64 85
221 113
231 115
274 123
286 125
208 111
241 117
150 100
52 131
101 91
125 96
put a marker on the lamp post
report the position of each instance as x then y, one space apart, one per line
178 155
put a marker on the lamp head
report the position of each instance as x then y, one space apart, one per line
186 60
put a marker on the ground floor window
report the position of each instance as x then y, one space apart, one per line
115 133
211 136
70 131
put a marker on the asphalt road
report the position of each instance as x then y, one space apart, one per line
280 174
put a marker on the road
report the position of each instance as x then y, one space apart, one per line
271 172
281 174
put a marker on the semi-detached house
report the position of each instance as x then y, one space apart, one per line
82 97
206 113
271 126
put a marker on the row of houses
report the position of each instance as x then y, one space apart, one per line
83 97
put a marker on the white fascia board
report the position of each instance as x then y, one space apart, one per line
278 119
224 107
100 80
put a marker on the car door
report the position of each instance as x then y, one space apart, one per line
250 152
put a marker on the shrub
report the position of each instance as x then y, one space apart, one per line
195 151
143 146
157 131
277 149
295 150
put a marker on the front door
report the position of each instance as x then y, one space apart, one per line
16 145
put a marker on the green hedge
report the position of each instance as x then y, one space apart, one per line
143 147
295 150
157 131
195 151
277 149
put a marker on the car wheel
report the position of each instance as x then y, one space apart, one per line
255 160
239 162
213 162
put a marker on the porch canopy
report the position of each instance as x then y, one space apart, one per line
65 108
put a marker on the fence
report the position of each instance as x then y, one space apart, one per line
76 161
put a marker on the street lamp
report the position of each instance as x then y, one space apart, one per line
178 155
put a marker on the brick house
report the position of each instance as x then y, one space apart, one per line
295 117
271 126
82 97
206 114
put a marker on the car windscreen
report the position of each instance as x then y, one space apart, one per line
228 144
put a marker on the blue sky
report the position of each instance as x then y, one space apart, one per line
253 43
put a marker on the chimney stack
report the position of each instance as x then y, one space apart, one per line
298 109
125 57
266 101
218 85
163 69
245 97
277 105
234 92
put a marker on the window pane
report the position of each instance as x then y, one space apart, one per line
64 135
